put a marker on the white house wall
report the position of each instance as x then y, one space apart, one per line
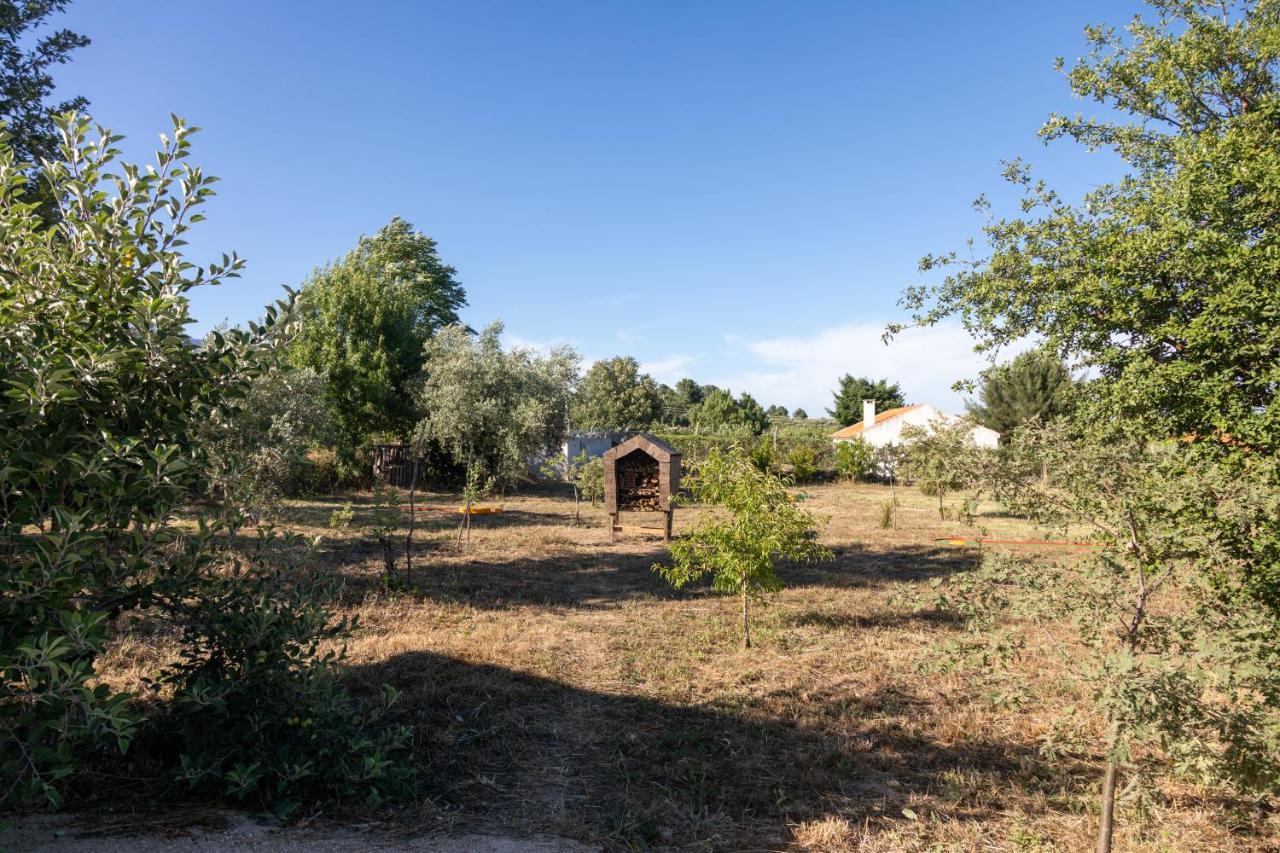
924 416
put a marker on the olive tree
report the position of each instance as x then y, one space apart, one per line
492 409
755 524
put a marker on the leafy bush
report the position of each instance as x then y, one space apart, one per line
257 452
762 455
739 548
258 711
342 517
589 477
803 460
321 473
854 459
106 405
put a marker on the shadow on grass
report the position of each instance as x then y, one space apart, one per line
495 744
576 576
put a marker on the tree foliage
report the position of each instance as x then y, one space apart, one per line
854 459
366 322
26 81
614 394
1162 285
257 450
1035 387
940 458
758 525
1185 677
493 409
719 411
101 427
1162 282
853 390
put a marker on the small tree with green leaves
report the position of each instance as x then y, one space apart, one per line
939 457
493 409
887 462
854 459
588 477
756 525
1154 622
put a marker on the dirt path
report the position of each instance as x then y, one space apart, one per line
67 834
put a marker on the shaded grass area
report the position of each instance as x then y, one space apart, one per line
557 685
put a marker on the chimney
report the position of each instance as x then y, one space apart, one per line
868 414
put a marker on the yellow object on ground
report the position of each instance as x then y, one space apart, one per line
476 509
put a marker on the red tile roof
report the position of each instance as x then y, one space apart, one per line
855 430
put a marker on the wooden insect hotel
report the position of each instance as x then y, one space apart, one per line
642 474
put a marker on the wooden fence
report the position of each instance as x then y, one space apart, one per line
393 464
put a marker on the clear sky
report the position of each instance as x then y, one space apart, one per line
732 191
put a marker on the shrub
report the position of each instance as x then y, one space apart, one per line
258 711
739 548
107 403
342 518
854 459
803 460
257 451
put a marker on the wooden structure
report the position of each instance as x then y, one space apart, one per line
642 474
393 465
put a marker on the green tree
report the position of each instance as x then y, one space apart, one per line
493 409
854 459
1183 676
800 415
719 411
776 411
940 458
257 449
740 547
366 321
26 82
106 402
1033 388
853 390
1162 282
690 392
614 394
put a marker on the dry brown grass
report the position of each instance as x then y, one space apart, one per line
558 685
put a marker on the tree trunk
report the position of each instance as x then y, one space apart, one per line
577 506
408 538
893 495
746 623
1106 822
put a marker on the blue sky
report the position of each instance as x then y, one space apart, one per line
732 191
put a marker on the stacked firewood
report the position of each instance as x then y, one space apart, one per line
638 487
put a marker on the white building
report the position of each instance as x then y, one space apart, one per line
886 427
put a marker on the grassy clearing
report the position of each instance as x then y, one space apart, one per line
560 686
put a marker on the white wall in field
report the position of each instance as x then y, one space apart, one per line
924 416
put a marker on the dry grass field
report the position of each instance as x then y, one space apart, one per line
560 687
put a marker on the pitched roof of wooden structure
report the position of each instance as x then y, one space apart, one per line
654 446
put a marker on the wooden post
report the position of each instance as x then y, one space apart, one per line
613 527
666 529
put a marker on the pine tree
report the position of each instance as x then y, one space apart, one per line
1033 388
853 390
